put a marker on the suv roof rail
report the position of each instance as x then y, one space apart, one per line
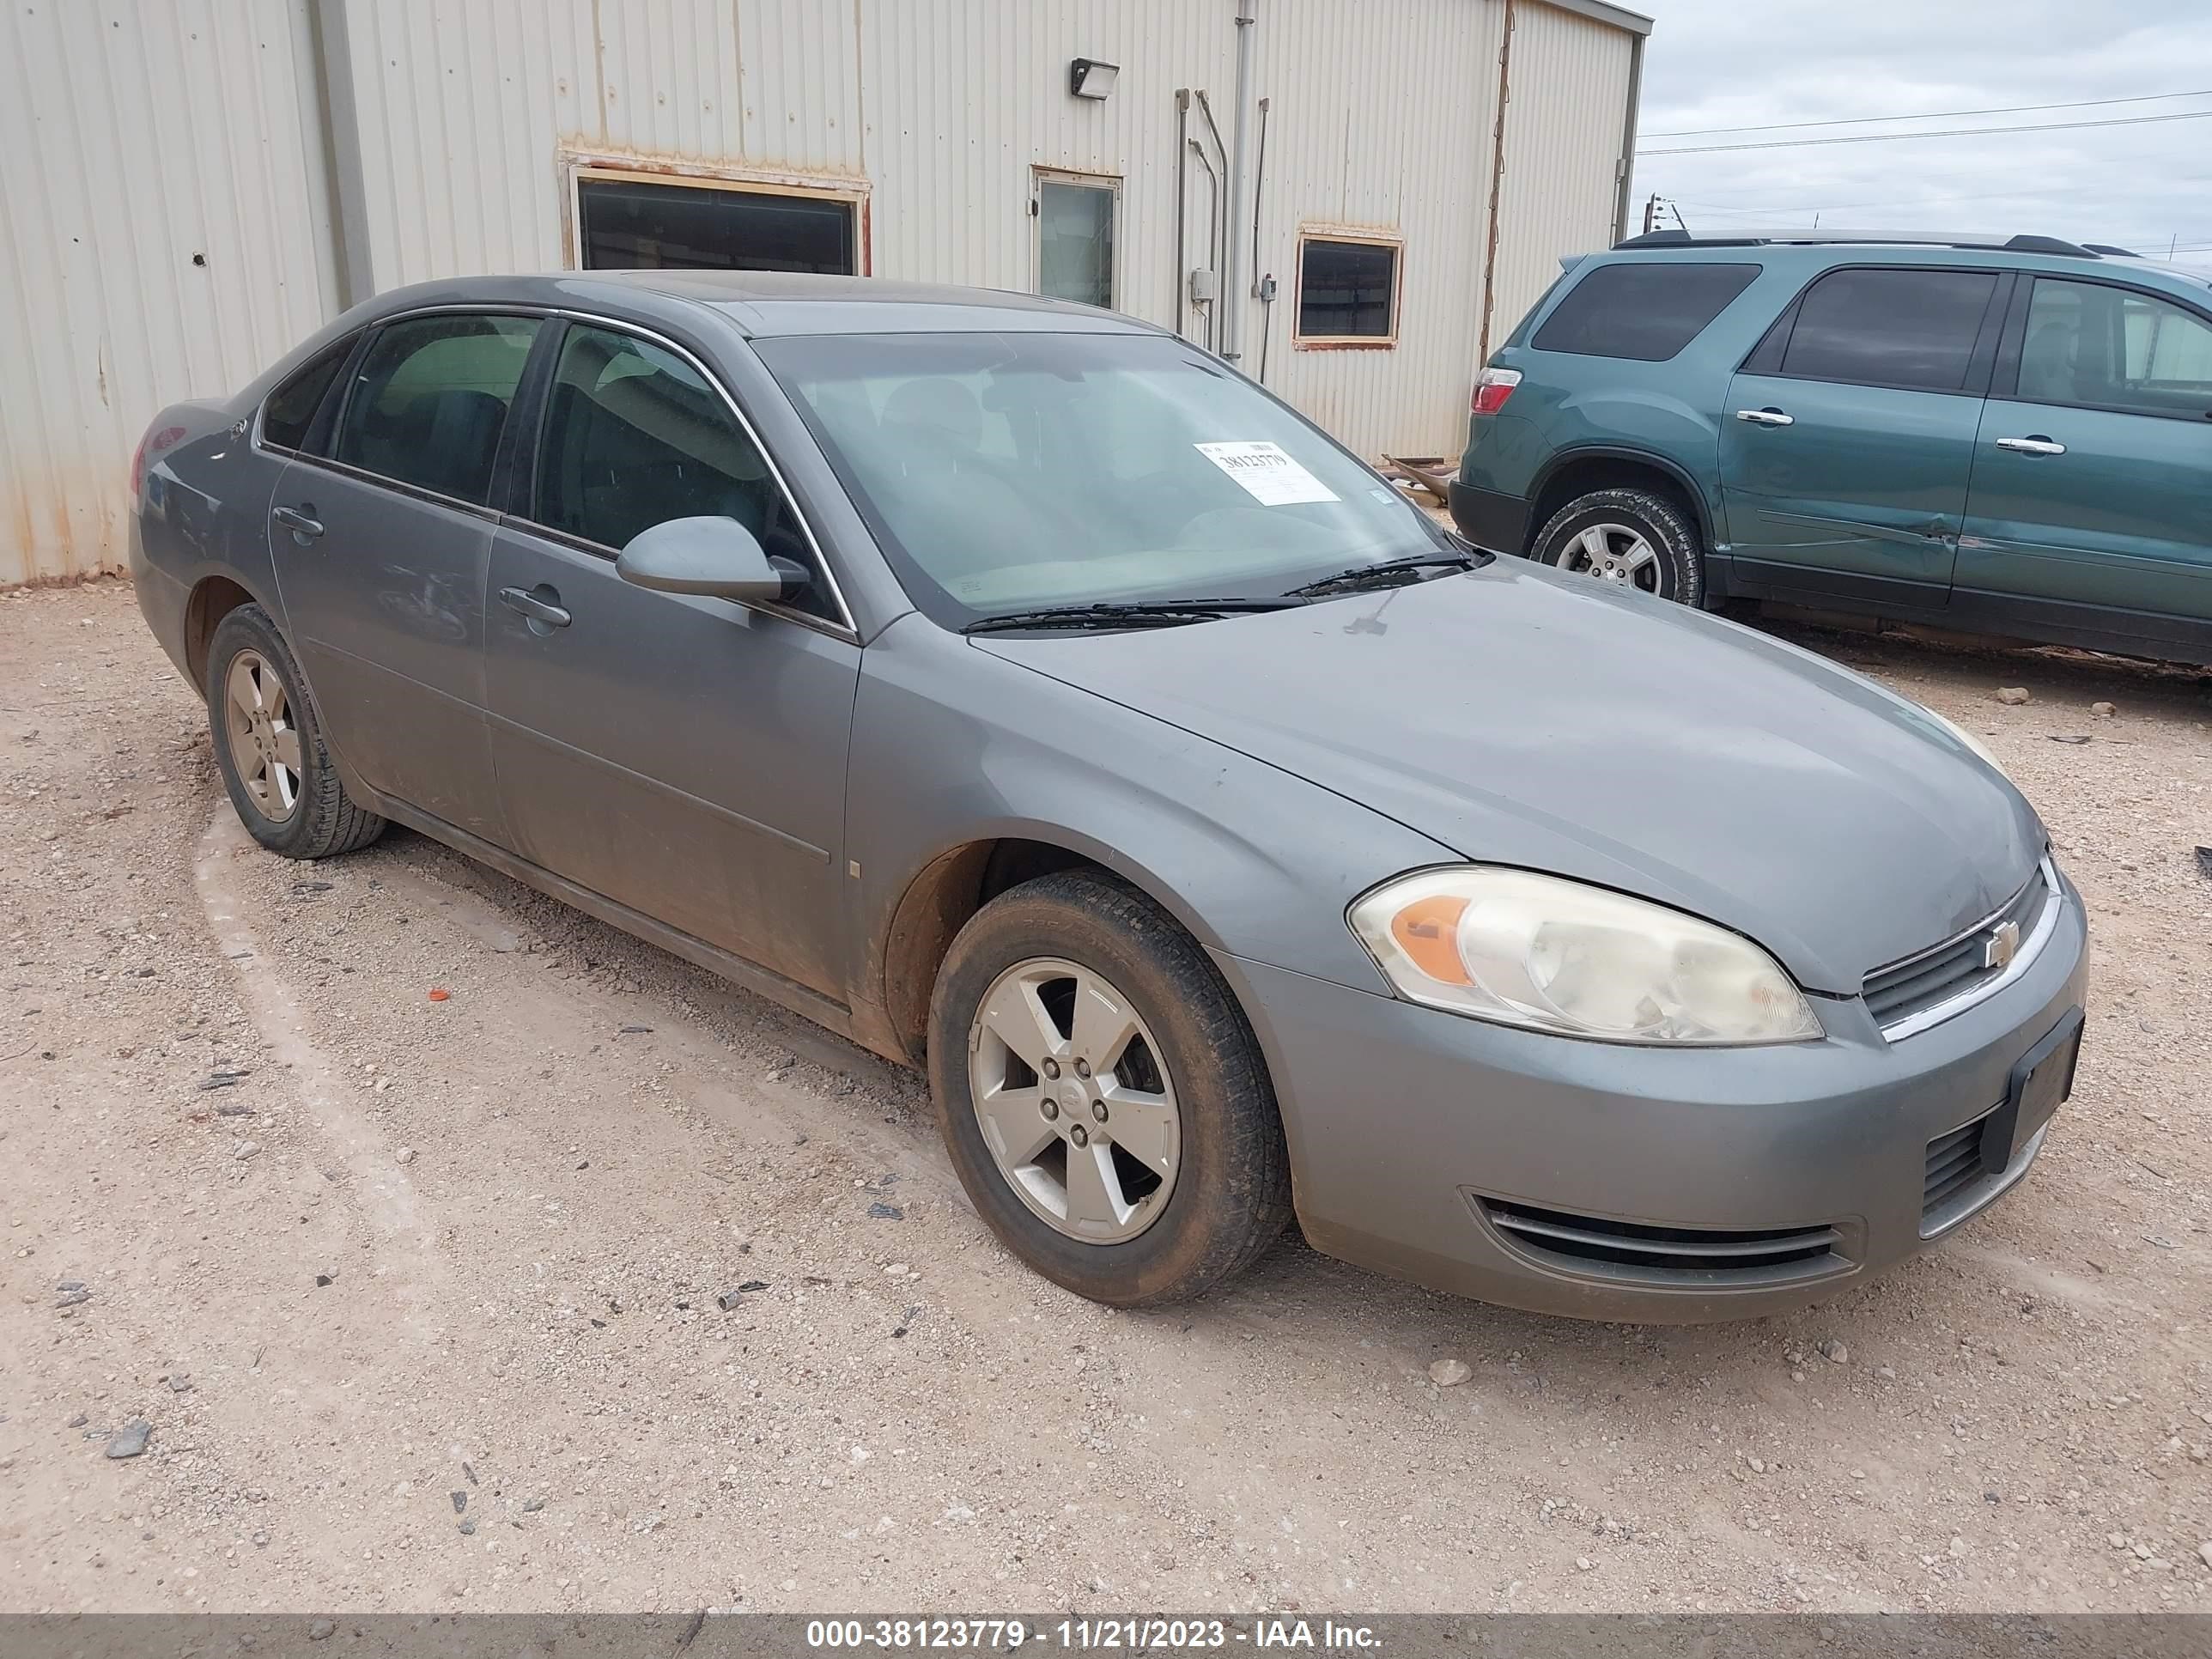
2015 244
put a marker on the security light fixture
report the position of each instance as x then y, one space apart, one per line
1089 78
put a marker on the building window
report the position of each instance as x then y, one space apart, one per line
1348 290
1075 215
625 223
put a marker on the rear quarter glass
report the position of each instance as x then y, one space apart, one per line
1644 312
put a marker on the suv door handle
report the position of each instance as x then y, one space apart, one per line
1765 417
300 521
2037 445
537 604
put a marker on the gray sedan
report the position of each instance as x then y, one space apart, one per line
1022 694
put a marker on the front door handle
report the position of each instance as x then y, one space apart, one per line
539 604
300 520
1765 417
2035 445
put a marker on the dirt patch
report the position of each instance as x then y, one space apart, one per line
600 1284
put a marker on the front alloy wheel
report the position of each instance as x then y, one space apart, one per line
1072 1101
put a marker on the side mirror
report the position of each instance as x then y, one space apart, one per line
718 558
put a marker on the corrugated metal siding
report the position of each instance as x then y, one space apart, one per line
1381 117
139 136
1565 126
163 130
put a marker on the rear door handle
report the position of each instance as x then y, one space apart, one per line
300 521
2037 445
538 603
1765 417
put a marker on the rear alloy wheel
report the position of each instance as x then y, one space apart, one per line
1630 537
1101 1095
269 745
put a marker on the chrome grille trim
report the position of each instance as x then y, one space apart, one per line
2031 946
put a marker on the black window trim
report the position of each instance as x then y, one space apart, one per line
1395 241
2005 383
1764 359
520 484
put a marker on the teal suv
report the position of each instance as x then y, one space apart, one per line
2008 437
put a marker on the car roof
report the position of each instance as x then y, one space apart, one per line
763 303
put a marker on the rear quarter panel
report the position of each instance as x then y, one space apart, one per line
202 512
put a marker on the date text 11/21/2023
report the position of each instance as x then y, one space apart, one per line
1084 1635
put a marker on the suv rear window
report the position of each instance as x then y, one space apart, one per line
1895 327
1647 311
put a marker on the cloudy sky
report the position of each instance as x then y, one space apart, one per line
1753 64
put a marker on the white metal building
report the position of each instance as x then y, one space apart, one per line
195 185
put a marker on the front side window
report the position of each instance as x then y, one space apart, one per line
628 224
2101 347
1347 291
634 436
1006 472
430 398
290 411
1647 312
1912 328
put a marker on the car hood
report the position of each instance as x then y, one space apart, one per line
1521 717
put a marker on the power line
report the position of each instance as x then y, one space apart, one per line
1925 115
1951 132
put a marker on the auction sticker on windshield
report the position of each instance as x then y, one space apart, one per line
1268 474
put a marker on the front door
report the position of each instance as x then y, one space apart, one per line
1848 437
684 757
2095 465
380 549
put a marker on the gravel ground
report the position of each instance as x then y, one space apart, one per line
596 1284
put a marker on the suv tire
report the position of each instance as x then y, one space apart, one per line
1636 537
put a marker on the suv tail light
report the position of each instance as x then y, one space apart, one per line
1493 388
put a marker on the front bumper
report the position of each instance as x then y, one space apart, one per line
1481 1160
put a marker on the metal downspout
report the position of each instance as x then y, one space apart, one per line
1181 209
1628 138
340 119
1232 290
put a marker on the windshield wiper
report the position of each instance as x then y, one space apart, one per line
1149 613
1393 573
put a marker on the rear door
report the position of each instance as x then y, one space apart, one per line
381 547
1848 435
2091 479
682 756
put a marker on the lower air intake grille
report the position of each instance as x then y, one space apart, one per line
1665 1255
1954 1163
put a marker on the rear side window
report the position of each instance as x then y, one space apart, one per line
1644 312
430 398
1914 329
291 407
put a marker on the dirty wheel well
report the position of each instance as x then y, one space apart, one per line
952 889
211 601
1614 472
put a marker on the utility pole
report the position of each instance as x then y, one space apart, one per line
1651 213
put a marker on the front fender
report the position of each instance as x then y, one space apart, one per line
954 747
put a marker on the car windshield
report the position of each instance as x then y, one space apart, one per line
1011 472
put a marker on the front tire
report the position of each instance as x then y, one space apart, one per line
1634 537
269 745
1102 1097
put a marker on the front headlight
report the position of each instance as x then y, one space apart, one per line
1968 739
1560 956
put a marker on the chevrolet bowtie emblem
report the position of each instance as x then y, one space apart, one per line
2001 945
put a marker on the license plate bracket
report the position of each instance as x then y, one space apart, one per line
2041 1079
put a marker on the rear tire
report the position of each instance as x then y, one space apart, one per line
269 745
1635 538
1207 1186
